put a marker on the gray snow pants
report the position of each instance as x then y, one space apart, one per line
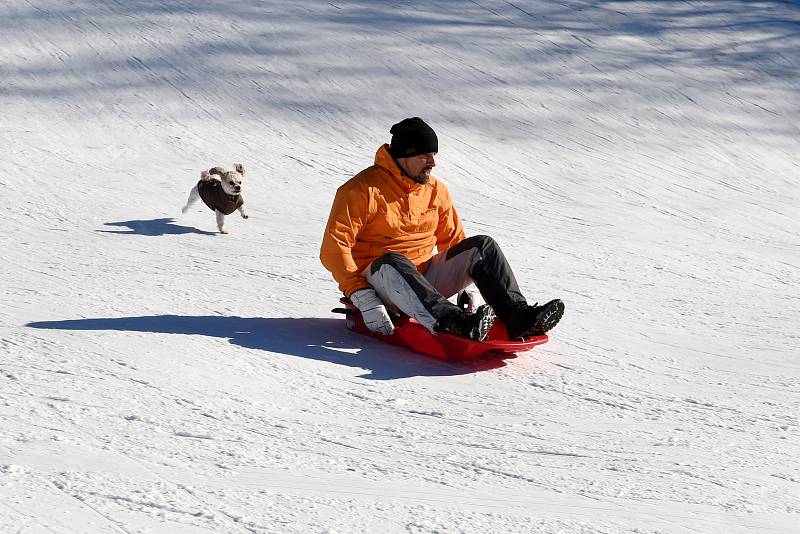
476 259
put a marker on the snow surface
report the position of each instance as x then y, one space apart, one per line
638 159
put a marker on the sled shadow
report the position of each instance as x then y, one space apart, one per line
154 227
317 339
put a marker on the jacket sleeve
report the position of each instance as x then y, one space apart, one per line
349 213
449 232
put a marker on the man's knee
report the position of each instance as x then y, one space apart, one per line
485 242
482 243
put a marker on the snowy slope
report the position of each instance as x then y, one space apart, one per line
638 159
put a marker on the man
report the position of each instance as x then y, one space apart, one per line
379 242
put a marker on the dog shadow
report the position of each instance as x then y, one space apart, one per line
154 227
313 338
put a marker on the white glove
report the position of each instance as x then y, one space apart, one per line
469 299
373 311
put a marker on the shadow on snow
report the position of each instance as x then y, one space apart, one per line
154 227
313 338
739 36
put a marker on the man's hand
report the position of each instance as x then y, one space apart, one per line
373 311
469 299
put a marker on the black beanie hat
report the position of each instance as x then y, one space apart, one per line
412 137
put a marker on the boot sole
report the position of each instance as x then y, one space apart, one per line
486 322
548 318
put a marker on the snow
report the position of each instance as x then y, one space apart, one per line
637 159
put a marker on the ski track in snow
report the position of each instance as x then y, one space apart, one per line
636 159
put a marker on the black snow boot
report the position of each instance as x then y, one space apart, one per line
475 326
525 321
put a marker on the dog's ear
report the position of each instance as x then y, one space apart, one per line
239 168
219 171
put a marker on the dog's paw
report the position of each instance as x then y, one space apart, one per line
224 231
245 216
184 209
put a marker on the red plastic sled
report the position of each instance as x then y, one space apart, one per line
408 333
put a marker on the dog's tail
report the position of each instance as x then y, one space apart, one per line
206 175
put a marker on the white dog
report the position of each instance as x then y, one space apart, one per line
221 191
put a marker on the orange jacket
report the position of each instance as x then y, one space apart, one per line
380 210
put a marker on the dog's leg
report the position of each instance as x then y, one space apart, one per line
194 196
221 222
243 212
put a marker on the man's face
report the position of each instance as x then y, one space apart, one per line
419 167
